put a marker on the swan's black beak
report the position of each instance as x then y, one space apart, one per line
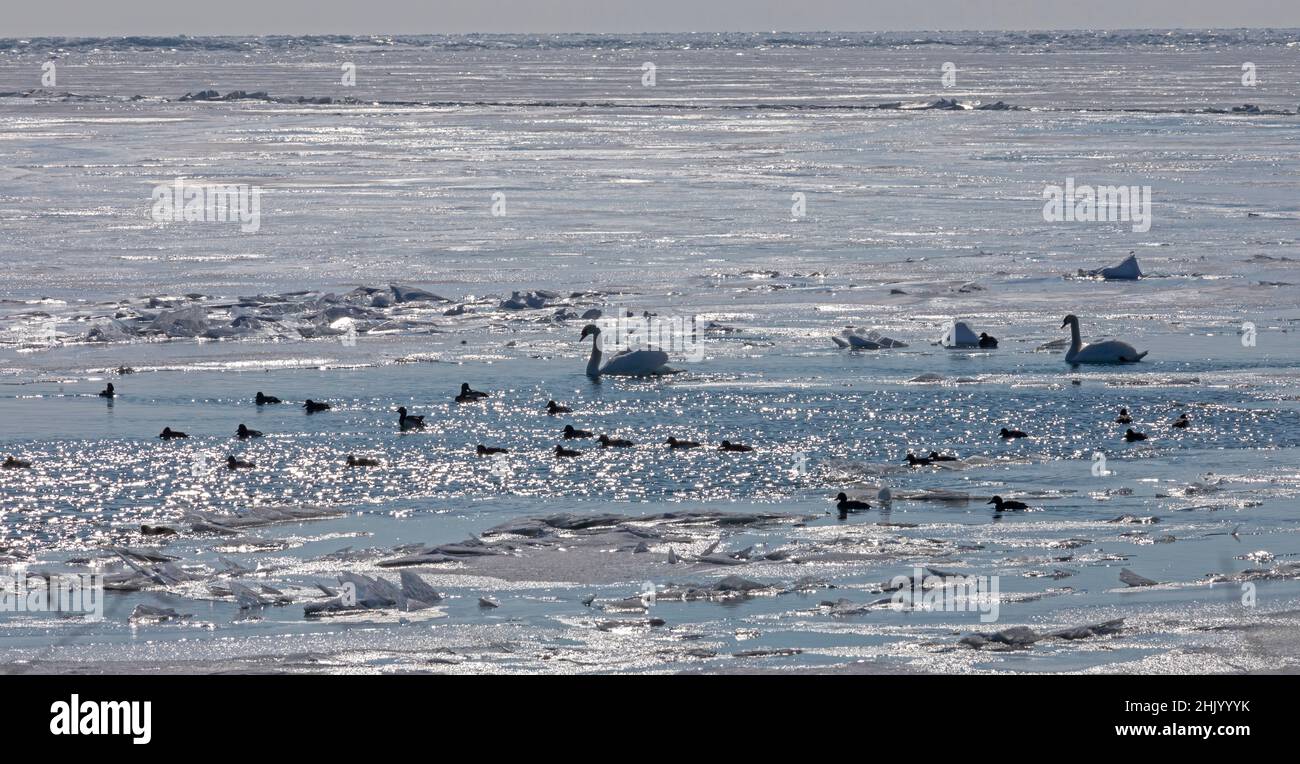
990 501
1064 324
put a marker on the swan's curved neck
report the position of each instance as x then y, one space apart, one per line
593 364
1076 341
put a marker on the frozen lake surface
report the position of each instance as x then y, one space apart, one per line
679 199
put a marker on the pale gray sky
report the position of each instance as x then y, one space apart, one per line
26 18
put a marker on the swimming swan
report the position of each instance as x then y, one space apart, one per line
632 363
1110 351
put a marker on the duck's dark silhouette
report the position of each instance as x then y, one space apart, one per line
407 422
468 395
608 442
561 451
363 461
243 433
483 450
1013 434
675 443
729 446
988 342
935 456
554 408
315 406
238 464
12 463
169 434
1002 504
570 433
262 400
1123 417
1132 435
157 530
917 461
107 392
845 505
1182 421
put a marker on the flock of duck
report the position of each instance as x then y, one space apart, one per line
642 363
408 422
1130 436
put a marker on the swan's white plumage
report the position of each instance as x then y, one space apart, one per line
632 363
1109 351
638 363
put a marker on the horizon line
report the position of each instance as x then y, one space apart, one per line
675 32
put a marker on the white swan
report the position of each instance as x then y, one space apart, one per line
1110 351
631 363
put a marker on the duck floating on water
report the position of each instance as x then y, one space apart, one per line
1123 417
468 395
570 433
1132 435
935 456
1182 421
845 505
1013 434
554 408
315 406
608 442
12 463
263 400
107 392
363 461
238 464
675 443
243 433
917 461
1002 504
987 342
483 450
729 446
407 422
561 451
170 434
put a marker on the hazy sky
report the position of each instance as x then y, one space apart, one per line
26 18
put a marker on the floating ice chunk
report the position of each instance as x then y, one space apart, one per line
521 300
1127 270
186 322
960 335
857 339
411 294
111 331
